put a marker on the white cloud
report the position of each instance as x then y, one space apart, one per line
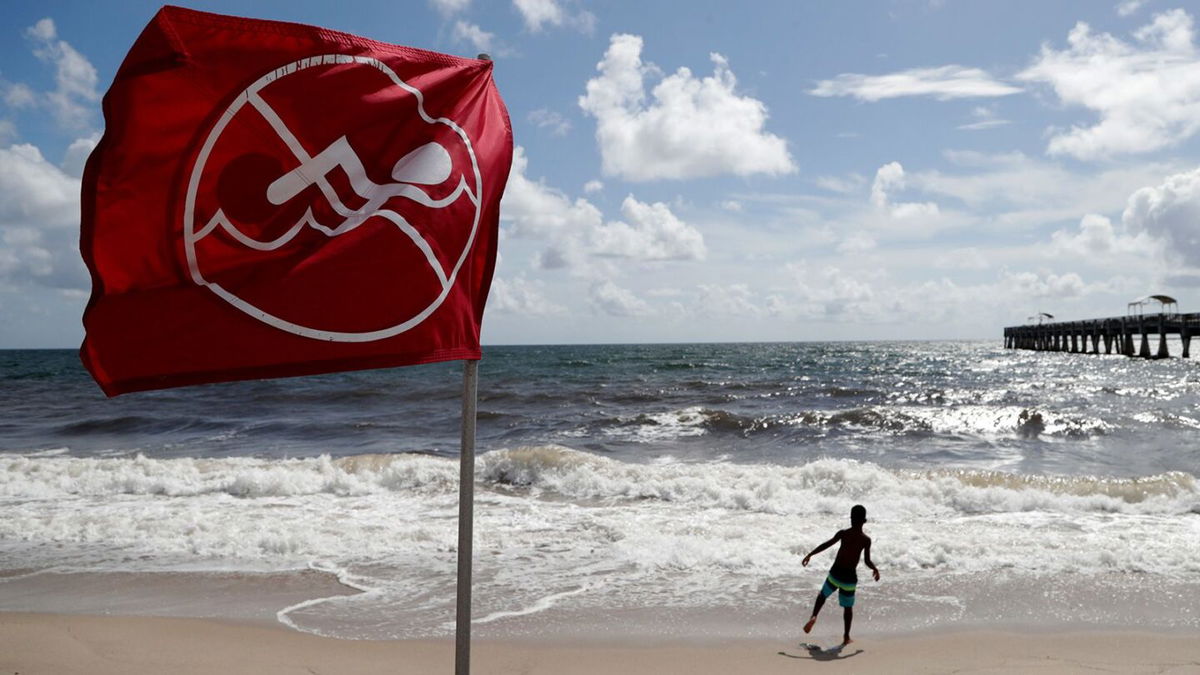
731 205
912 210
77 154
1171 212
521 296
1146 94
887 177
984 117
890 179
449 7
665 292
967 258
733 300
538 211
576 230
1003 199
909 210
982 160
822 292
651 233
33 188
539 13
843 185
19 95
614 300
544 118
1034 285
1098 242
943 83
593 186
1129 7
1012 191
1171 31
44 30
838 294
74 97
39 219
818 235
691 127
478 38
859 242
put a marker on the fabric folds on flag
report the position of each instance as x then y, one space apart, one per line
272 199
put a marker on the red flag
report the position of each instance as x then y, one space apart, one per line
273 199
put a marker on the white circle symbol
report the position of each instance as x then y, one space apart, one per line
429 164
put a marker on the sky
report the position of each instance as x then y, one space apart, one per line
718 171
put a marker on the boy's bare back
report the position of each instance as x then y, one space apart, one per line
854 542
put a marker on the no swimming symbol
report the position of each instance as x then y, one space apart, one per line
304 177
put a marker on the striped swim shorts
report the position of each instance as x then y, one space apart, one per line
845 589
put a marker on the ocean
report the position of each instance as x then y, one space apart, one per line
622 490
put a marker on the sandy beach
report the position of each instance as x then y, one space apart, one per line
67 644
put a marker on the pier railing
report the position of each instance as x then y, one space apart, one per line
1114 332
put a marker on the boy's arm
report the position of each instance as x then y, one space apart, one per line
822 547
867 559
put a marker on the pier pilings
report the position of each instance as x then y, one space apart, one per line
1128 335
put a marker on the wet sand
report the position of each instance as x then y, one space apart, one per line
67 644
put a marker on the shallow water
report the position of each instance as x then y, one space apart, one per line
1002 486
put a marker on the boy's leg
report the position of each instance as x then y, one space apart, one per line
846 600
816 610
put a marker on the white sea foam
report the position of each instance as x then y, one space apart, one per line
47 452
974 420
659 426
989 419
794 490
22 476
560 529
542 604
577 475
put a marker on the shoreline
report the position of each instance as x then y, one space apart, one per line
320 602
132 645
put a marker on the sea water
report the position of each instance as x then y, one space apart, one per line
622 490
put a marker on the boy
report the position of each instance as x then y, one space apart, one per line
844 573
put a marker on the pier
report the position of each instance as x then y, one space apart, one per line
1128 335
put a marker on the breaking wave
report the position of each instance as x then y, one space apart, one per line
562 473
969 420
551 521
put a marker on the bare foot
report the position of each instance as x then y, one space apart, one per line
846 641
808 626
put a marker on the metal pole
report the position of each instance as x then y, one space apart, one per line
466 515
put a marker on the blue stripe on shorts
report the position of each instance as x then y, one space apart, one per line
845 598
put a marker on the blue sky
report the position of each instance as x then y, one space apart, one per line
748 171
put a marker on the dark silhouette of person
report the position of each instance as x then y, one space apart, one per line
843 576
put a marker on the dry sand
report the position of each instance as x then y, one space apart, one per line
65 644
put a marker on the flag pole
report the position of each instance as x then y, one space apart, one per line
466 513
466 516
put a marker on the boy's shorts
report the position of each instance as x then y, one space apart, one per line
845 590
